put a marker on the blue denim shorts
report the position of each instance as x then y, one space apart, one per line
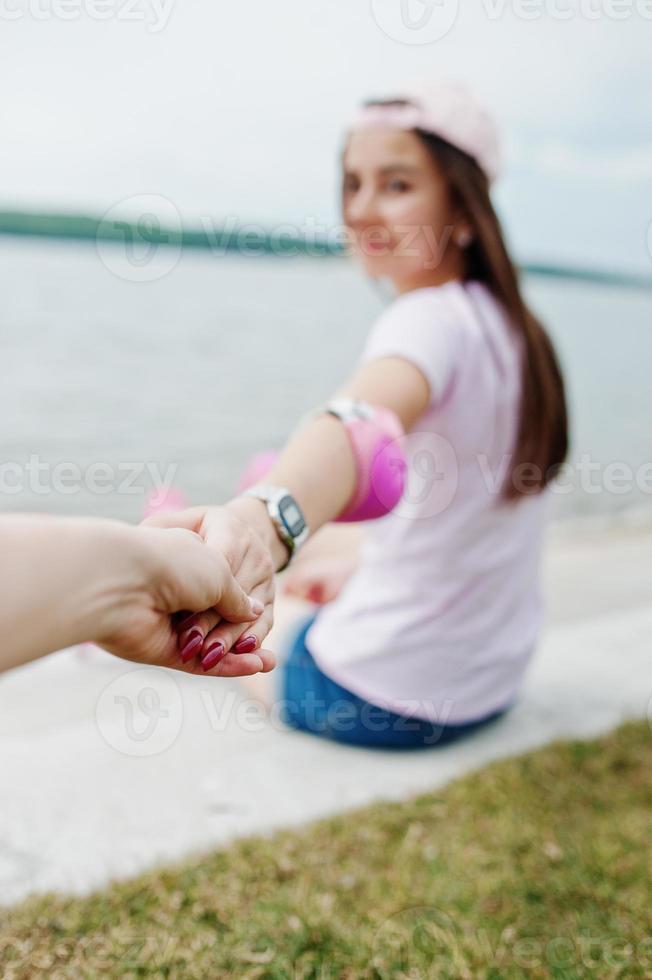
312 702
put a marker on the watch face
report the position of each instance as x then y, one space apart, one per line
291 516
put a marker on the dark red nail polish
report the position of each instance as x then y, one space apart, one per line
187 635
214 653
189 644
246 645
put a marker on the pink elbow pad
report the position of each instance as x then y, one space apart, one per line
375 437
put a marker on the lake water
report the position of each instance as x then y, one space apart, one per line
192 373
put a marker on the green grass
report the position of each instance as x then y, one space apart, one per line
539 866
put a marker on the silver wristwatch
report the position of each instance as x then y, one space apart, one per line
285 514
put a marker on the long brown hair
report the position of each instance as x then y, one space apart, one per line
542 441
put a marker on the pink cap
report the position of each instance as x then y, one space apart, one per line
446 109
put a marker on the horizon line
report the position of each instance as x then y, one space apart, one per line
87 227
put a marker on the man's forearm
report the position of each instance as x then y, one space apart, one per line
59 578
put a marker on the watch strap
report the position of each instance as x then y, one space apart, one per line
285 514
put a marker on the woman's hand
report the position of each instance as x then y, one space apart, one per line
242 533
176 571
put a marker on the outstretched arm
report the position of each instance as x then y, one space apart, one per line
318 468
317 464
68 580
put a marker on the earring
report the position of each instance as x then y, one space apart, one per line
464 238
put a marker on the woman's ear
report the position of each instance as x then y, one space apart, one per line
463 235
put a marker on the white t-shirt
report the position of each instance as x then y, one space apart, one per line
443 614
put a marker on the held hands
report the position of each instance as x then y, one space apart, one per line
225 639
175 573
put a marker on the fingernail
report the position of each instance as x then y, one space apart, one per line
246 645
257 607
214 653
187 635
189 644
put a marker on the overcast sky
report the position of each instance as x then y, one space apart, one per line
237 108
